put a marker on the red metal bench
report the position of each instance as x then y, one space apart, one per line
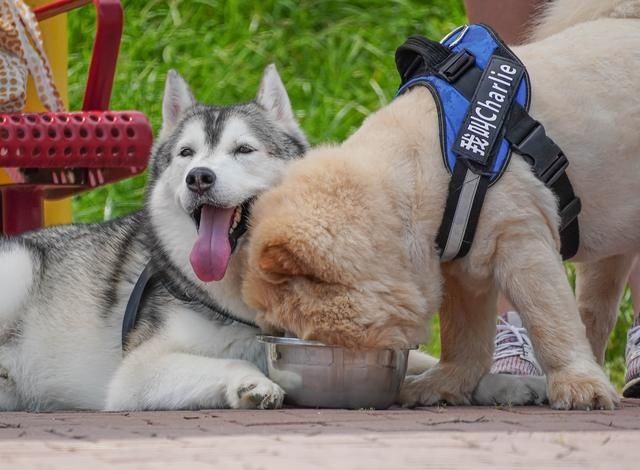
55 155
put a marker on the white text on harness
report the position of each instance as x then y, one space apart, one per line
488 110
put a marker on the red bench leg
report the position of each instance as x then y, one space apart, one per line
21 211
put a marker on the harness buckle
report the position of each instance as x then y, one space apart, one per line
548 160
456 65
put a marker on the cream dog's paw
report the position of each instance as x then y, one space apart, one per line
435 386
571 389
255 392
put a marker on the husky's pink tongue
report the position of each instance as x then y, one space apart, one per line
212 250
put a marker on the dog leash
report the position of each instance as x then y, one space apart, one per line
141 290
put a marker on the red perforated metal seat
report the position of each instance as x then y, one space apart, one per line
54 155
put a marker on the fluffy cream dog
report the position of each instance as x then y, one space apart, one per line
344 250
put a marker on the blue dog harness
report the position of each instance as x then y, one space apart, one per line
482 91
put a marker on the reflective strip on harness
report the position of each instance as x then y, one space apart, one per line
461 215
482 92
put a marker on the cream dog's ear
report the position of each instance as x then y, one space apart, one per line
279 261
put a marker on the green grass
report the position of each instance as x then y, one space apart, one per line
335 57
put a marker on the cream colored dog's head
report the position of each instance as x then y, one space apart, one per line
328 260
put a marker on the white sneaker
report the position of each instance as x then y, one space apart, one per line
631 387
514 352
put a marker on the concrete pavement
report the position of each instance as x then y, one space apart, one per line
448 437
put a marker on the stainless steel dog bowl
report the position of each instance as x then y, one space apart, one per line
319 376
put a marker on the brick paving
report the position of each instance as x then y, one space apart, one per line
449 437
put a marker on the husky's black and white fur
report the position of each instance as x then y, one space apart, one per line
63 290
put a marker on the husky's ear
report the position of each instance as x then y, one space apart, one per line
177 99
273 97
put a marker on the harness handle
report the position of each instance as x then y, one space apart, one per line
420 56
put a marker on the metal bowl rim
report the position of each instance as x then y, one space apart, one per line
290 341
287 341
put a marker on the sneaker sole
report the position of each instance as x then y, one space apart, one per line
632 389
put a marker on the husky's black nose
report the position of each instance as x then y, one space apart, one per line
200 179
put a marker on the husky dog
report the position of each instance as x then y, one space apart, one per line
63 290
344 250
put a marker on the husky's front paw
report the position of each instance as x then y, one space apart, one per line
512 390
435 386
578 390
255 392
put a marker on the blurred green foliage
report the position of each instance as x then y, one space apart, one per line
335 57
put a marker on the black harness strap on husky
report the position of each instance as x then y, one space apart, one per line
419 61
133 305
140 291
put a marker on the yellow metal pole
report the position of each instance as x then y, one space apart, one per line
4 178
54 36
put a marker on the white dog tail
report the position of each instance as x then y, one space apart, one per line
17 267
562 14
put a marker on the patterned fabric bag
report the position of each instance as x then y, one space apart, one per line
21 54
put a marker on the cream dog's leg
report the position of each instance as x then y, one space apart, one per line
529 271
467 328
599 286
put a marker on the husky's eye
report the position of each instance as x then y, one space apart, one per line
186 152
244 148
